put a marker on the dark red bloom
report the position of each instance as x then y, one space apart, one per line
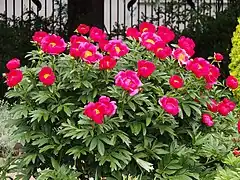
236 152
14 77
238 126
13 64
232 82
83 29
176 81
170 105
147 27
107 62
218 56
102 44
213 106
165 34
47 76
145 68
133 33
38 36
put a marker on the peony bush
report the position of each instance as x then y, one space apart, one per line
103 107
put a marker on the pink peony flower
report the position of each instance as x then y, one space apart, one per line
147 27
133 33
116 48
199 66
38 36
95 111
180 55
109 106
148 40
88 52
97 34
170 105
13 64
53 44
83 29
207 120
129 81
213 106
187 44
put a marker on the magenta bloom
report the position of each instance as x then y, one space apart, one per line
116 48
133 33
149 39
129 81
88 52
53 44
166 34
38 36
97 34
180 55
207 120
109 106
13 64
199 66
232 82
170 105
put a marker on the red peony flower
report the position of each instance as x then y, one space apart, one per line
53 44
199 66
13 64
232 82
145 68
218 56
170 105
162 53
207 120
147 27
213 74
88 52
238 126
38 36
107 62
47 76
133 33
116 48
148 40
102 44
14 77
74 50
187 44
181 55
74 39
226 106
129 81
236 152
165 34
95 111
83 29
213 106
97 34
109 106
176 81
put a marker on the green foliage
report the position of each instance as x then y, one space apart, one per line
235 58
231 169
139 140
6 131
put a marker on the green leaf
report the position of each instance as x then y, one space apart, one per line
101 148
55 164
132 106
144 164
186 109
67 111
93 144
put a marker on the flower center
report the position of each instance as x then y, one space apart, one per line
97 111
181 57
145 29
150 41
159 49
46 76
53 44
87 54
117 49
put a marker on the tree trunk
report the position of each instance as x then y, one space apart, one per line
90 12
